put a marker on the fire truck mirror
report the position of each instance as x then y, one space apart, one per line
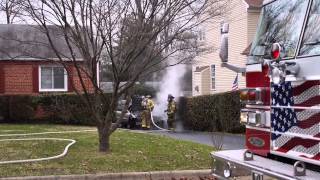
224 48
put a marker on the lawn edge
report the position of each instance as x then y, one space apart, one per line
152 175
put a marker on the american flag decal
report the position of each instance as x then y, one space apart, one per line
295 119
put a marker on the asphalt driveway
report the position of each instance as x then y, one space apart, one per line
230 141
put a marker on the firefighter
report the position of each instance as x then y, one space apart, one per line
143 105
171 112
148 107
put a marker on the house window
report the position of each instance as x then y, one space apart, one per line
213 77
201 35
52 78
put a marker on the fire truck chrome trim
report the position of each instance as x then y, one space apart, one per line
296 158
250 106
260 164
254 117
258 128
315 108
304 136
258 107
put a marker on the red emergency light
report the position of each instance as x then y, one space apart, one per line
252 95
244 96
275 51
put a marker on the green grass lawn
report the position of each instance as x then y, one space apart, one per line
129 152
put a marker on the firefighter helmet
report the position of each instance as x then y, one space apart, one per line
170 96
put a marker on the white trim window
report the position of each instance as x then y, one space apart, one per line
52 79
213 76
202 35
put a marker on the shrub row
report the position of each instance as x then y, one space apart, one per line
18 108
218 112
59 109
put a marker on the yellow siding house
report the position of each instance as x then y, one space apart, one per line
208 76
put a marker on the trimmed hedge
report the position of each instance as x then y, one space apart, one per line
58 109
18 108
218 112
63 109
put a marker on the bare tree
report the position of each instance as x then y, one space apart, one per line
135 37
12 9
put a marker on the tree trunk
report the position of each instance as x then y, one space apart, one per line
8 16
104 140
104 127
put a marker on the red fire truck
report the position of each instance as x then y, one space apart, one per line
282 98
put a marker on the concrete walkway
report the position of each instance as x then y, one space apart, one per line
230 141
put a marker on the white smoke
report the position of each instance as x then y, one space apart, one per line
170 84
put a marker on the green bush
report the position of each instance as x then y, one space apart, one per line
3 108
218 112
21 108
17 108
58 109
64 109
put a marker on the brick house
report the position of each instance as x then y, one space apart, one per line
208 77
28 65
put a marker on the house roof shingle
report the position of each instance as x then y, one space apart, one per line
29 42
254 3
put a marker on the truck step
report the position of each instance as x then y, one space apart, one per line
232 162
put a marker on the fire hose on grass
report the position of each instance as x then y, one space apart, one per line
65 151
163 129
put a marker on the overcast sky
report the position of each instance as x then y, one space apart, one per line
4 21
2 18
